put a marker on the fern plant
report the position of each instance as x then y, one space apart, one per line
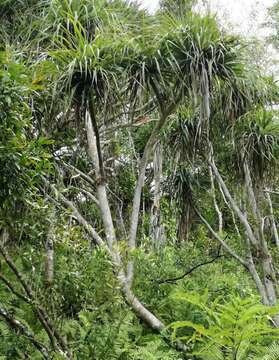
237 329
272 353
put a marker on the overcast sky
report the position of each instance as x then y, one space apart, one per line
246 16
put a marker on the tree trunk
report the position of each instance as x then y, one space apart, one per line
272 218
264 257
267 285
49 246
156 229
213 193
93 149
22 329
184 222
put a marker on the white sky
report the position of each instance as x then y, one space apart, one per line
245 16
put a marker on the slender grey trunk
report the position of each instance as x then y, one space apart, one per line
264 257
138 190
253 271
222 242
142 312
233 203
156 229
232 212
49 246
272 218
213 193
253 202
266 286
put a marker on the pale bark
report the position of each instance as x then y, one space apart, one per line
232 212
90 195
264 257
258 219
258 282
253 271
272 218
205 104
269 278
138 190
222 242
250 191
81 220
142 312
49 246
81 173
156 229
213 193
258 240
94 153
233 203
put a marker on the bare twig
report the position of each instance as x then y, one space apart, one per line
188 272
80 219
81 173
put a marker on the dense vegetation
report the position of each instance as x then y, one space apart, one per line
138 185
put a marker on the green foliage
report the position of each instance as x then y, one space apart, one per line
235 329
271 353
257 137
273 22
178 8
22 159
64 61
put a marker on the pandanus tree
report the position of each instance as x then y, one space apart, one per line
95 72
183 140
254 137
258 146
109 70
240 108
119 71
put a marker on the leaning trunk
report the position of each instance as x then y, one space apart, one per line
266 284
125 281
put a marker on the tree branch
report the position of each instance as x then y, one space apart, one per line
23 330
12 289
213 192
81 173
80 219
274 227
188 272
138 190
232 202
222 242
97 136
94 151
42 315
